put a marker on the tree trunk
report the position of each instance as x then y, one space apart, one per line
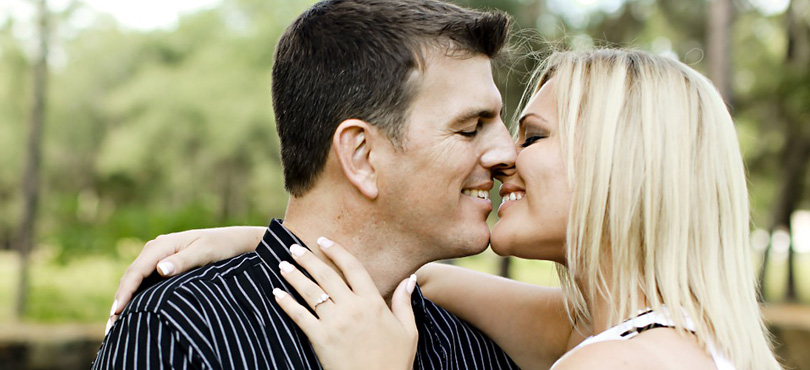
796 152
505 267
718 45
798 56
33 155
795 157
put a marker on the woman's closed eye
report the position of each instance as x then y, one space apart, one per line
531 140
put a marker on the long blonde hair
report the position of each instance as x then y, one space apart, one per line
659 199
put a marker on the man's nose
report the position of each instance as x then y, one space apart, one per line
500 151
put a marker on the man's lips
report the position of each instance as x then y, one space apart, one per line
481 194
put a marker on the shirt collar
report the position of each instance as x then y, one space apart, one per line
275 247
275 244
418 303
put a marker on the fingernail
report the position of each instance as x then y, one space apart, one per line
325 243
165 267
297 250
279 293
411 283
114 307
285 267
108 326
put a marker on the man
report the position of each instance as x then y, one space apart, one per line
389 123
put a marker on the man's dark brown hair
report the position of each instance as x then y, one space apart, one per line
345 59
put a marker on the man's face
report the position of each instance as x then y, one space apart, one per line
436 189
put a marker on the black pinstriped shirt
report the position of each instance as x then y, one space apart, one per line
224 316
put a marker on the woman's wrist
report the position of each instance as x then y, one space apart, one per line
426 274
246 238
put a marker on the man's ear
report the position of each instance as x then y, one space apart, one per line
352 144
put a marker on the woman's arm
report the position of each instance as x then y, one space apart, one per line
179 252
529 322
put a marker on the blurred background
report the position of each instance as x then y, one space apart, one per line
124 120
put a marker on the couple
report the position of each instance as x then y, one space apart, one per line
626 171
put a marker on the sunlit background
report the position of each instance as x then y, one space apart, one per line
157 118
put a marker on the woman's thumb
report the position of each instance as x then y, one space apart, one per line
401 304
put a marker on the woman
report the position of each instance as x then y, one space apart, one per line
630 177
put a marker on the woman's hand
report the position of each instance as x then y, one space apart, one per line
354 328
176 253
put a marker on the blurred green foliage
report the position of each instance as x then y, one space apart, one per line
150 132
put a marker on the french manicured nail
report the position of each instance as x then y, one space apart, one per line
411 283
165 267
297 250
279 293
285 267
108 326
114 307
325 243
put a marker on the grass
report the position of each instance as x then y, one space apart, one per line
82 290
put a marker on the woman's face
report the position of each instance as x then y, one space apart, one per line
534 217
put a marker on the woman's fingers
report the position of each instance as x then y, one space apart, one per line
324 275
300 315
197 253
143 266
353 329
356 275
179 252
315 297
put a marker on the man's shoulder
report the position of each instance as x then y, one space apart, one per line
219 316
436 312
198 283
471 348
446 322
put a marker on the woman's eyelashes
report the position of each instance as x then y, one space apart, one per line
531 139
532 131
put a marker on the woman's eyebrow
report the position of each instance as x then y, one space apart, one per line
522 120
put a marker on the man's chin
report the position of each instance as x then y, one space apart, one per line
477 244
467 245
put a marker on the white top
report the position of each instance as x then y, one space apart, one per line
649 320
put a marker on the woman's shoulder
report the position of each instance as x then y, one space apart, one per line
661 348
607 355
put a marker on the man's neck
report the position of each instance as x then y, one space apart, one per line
385 258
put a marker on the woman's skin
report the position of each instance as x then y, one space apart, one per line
529 322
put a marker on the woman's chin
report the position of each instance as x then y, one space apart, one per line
504 243
499 240
499 251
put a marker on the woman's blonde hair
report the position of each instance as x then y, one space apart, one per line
659 199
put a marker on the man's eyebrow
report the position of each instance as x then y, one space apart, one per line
476 113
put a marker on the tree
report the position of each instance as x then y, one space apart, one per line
718 46
793 118
26 236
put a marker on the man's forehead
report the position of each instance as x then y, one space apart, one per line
453 89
